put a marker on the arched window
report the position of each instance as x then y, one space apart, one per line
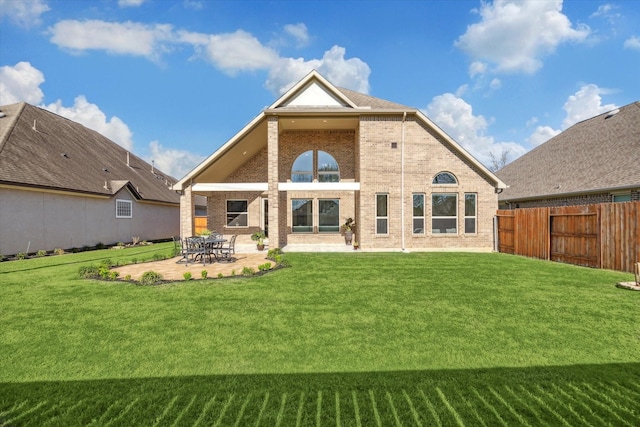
445 178
327 169
302 170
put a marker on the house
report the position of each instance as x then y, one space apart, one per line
65 186
322 154
594 161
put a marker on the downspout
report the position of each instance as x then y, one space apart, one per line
402 201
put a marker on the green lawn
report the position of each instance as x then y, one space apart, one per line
362 339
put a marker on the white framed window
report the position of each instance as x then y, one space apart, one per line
418 213
445 178
302 170
326 169
124 208
237 213
470 213
328 215
302 215
382 213
444 213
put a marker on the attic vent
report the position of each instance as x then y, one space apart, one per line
105 170
2 114
64 155
612 113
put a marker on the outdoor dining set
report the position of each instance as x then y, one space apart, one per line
212 247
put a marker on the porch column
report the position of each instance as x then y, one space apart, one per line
187 212
272 178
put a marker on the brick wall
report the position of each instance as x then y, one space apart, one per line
583 199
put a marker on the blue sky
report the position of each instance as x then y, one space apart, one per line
174 80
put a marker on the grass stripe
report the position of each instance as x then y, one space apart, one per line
433 411
564 405
508 406
473 408
205 409
450 407
15 407
184 411
263 408
621 396
596 402
412 408
489 406
319 409
167 408
224 409
54 420
242 409
544 406
123 412
609 401
300 410
356 408
394 411
579 403
338 423
281 411
29 411
105 414
375 408
525 404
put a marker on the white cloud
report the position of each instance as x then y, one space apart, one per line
584 104
20 83
352 73
172 161
299 32
541 135
495 84
130 3
128 38
455 116
476 68
515 35
233 52
632 43
25 13
92 117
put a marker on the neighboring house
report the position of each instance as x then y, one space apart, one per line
320 155
594 161
63 185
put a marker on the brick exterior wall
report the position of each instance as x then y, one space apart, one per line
582 199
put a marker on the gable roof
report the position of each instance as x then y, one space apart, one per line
315 96
597 154
40 149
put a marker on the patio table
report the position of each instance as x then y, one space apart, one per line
212 245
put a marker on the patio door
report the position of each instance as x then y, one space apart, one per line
264 218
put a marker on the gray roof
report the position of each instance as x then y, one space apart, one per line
598 154
362 100
41 149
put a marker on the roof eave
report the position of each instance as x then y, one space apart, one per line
570 193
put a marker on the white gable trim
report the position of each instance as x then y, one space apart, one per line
314 95
318 186
231 186
298 87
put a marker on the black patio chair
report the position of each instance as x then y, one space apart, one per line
226 251
195 247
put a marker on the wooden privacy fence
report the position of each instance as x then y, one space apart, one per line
199 224
605 235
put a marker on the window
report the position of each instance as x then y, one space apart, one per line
124 208
328 215
327 167
444 215
470 213
382 214
237 213
418 214
302 170
302 215
445 178
622 197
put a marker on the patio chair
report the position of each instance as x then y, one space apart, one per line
194 247
226 251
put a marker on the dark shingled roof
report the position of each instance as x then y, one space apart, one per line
362 100
44 150
598 154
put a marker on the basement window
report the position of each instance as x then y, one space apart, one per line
124 208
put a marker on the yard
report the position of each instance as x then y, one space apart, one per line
349 339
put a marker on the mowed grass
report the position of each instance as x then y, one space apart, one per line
363 339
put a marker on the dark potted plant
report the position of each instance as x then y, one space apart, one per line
259 237
347 229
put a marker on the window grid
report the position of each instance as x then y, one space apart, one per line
328 215
418 213
470 213
124 208
237 213
382 214
444 217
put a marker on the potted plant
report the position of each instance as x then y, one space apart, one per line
356 246
347 229
259 237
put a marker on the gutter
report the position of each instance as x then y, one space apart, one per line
402 222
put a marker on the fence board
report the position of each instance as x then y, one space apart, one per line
603 236
199 224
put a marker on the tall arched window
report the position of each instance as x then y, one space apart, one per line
444 178
326 170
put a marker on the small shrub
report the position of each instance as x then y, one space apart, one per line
21 255
89 272
220 275
41 253
58 251
233 273
158 257
150 278
113 275
120 244
187 275
204 274
135 240
248 271
282 262
100 245
264 267
106 263
127 277
273 253
104 272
